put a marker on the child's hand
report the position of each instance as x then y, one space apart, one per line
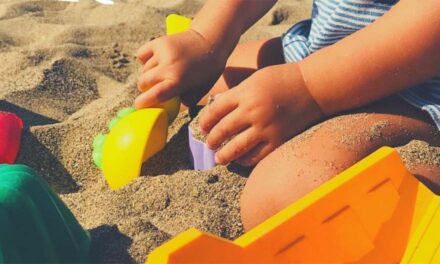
177 64
260 114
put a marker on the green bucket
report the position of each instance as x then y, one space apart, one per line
35 225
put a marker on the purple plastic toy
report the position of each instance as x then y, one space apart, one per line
202 156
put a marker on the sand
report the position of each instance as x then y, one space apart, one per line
66 69
420 152
194 124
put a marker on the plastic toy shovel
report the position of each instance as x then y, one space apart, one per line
10 137
136 135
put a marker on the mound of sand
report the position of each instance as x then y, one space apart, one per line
66 69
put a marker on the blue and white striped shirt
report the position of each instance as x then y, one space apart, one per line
333 20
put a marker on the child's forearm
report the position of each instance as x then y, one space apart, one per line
222 22
399 50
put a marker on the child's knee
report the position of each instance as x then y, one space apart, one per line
265 194
256 203
285 176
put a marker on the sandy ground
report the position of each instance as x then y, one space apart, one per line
66 69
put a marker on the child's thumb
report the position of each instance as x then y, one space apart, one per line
157 94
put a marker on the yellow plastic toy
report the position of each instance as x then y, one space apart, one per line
134 135
374 212
130 142
176 24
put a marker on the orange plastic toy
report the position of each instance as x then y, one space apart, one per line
374 212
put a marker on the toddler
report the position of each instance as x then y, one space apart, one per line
360 73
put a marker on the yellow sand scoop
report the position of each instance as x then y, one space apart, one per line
136 135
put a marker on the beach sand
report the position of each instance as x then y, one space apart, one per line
66 69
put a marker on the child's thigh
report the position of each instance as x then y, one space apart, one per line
314 157
257 54
245 60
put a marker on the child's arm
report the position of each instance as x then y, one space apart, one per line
189 63
223 22
399 50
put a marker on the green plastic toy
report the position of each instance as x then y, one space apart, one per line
99 140
35 225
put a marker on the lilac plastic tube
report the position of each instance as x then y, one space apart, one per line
202 156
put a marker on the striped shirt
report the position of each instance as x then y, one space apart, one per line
333 20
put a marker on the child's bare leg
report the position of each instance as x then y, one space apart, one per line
310 159
245 60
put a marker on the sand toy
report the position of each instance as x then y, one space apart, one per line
10 137
374 212
136 135
202 157
35 225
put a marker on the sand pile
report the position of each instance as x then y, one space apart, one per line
66 69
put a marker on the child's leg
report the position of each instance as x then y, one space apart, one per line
314 157
245 60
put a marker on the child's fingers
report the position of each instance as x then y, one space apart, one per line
222 105
256 154
148 80
228 126
237 147
156 95
145 52
150 64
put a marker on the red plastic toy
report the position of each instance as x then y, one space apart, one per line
10 136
